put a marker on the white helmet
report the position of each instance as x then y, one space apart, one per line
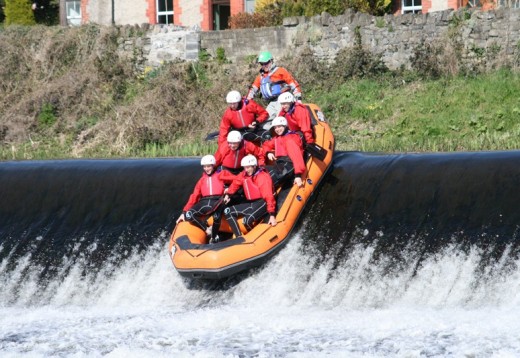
233 97
286 97
234 137
208 160
249 160
279 121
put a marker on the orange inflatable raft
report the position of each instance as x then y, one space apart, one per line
195 258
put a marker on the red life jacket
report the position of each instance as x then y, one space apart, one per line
232 158
243 116
251 189
298 119
211 185
280 148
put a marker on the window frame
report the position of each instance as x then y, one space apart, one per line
414 9
511 4
167 13
73 20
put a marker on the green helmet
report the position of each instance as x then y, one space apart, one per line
265 56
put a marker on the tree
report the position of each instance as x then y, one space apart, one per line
46 11
63 13
277 9
18 12
316 7
2 5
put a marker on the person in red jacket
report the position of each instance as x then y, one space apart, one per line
273 81
259 192
297 115
205 199
229 155
245 116
286 151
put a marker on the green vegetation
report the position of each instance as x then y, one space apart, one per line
272 12
70 93
2 5
45 13
18 12
447 114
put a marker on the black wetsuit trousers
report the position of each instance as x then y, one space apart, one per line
199 212
252 211
281 171
258 135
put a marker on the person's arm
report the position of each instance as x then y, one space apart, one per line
225 124
233 188
194 197
226 176
261 114
257 151
304 122
254 88
295 152
236 184
291 81
219 156
266 188
268 150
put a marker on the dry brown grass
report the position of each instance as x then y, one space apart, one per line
75 84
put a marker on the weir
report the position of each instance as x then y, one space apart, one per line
397 203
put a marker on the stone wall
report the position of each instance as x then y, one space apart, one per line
473 37
477 36
157 44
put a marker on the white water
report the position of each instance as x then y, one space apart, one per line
290 308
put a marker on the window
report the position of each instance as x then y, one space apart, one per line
513 4
250 6
165 11
73 11
411 6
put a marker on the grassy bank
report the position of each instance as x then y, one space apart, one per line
71 94
383 115
448 114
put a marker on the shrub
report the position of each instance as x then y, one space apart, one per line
245 20
221 56
426 61
47 12
18 12
357 62
47 116
276 10
2 5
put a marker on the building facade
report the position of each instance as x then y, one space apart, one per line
425 6
214 14
204 14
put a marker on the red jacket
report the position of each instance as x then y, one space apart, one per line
298 119
288 145
209 185
232 158
248 112
259 185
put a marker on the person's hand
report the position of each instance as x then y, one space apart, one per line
271 156
298 98
298 182
252 125
181 218
272 220
226 199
